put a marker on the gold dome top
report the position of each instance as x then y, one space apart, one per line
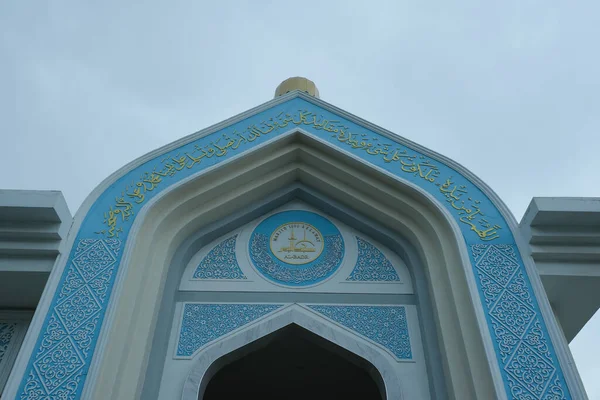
297 83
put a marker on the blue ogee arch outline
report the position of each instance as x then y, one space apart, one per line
517 328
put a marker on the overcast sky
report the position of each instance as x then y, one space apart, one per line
509 89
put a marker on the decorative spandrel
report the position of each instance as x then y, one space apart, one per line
296 248
203 323
372 265
220 262
384 325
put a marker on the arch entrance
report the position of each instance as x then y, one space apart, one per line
289 347
294 363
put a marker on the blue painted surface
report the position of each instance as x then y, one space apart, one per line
526 357
372 265
204 323
384 325
220 262
283 273
70 333
61 358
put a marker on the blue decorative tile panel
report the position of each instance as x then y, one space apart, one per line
204 323
58 365
76 309
62 357
282 252
220 262
372 265
524 350
7 331
93 260
385 325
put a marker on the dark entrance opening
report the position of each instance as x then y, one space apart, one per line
293 363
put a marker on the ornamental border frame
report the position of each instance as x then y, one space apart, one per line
563 354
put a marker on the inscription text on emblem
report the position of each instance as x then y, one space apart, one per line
296 243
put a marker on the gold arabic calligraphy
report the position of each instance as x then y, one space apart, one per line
468 210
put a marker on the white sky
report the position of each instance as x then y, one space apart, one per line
509 89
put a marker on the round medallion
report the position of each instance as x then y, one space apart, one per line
296 243
296 248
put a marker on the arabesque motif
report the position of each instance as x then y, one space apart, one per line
372 265
525 358
203 323
220 262
62 358
384 325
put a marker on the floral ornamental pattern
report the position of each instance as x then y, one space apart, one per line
385 325
324 266
220 262
63 353
7 331
204 323
372 265
526 359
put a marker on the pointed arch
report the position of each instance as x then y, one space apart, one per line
207 362
405 187
296 157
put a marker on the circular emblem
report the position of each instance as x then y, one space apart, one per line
296 243
296 248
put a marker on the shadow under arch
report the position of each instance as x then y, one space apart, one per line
208 361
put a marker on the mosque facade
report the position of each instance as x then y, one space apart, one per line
294 251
